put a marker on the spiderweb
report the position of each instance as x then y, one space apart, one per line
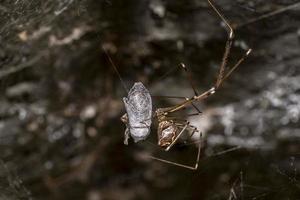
60 103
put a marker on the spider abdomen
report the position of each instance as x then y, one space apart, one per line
166 133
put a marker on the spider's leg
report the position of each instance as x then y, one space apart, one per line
180 122
194 130
195 167
236 65
190 127
222 75
190 78
227 46
197 112
211 91
177 137
191 100
199 152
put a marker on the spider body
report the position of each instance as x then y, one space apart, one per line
166 133
138 105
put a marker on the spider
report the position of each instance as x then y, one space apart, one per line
138 104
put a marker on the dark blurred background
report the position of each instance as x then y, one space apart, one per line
61 100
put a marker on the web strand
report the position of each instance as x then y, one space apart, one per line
115 69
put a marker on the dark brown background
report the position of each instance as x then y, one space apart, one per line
60 102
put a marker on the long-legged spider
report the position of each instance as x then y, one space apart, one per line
139 114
